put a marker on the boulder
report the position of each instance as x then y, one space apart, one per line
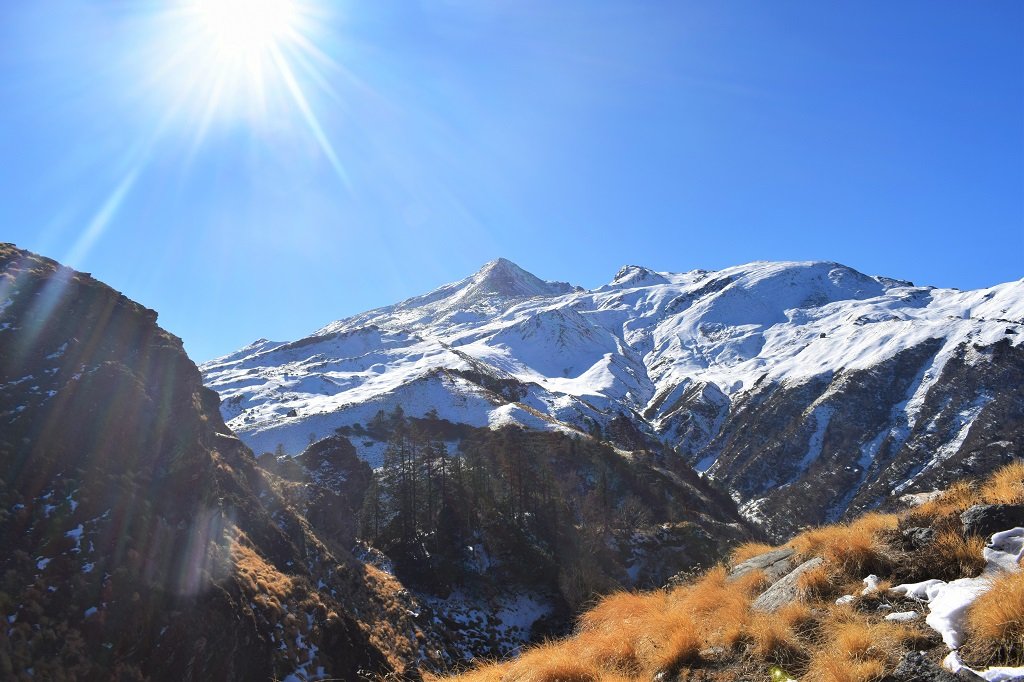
986 519
775 564
916 667
786 590
917 537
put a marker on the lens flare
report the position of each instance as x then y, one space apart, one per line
245 29
232 61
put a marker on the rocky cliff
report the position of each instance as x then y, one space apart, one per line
140 539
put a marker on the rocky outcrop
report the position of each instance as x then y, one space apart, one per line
917 667
141 540
786 589
985 519
775 564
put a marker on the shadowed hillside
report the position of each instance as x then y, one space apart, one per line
140 539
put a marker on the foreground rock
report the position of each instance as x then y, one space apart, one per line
140 539
785 590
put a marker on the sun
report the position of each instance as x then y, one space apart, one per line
245 30
231 60
218 67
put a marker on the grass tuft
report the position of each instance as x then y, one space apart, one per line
953 556
749 550
995 621
1006 485
855 549
954 500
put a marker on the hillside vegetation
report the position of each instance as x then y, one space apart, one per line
724 625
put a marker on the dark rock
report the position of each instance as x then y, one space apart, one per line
916 538
916 667
986 519
786 590
117 449
775 564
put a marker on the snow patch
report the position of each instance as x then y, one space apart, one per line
948 602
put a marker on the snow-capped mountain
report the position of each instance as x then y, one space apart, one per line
772 377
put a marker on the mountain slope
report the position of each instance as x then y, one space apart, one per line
141 540
908 597
752 373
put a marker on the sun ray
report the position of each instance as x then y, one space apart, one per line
102 219
311 121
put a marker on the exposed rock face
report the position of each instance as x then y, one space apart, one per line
775 564
140 539
916 667
325 484
835 446
785 590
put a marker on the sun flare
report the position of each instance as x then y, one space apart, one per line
244 30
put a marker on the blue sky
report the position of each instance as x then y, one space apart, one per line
400 145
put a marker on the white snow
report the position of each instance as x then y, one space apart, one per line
948 602
59 352
953 663
559 357
871 584
903 616
76 534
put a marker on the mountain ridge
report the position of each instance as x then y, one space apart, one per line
678 354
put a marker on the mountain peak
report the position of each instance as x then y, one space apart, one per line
502 277
637 275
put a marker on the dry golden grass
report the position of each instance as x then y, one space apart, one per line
854 549
796 615
258 576
551 663
620 608
856 649
817 581
715 593
749 550
953 556
681 647
827 669
772 639
751 583
609 651
954 500
719 607
1006 485
995 621
491 672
